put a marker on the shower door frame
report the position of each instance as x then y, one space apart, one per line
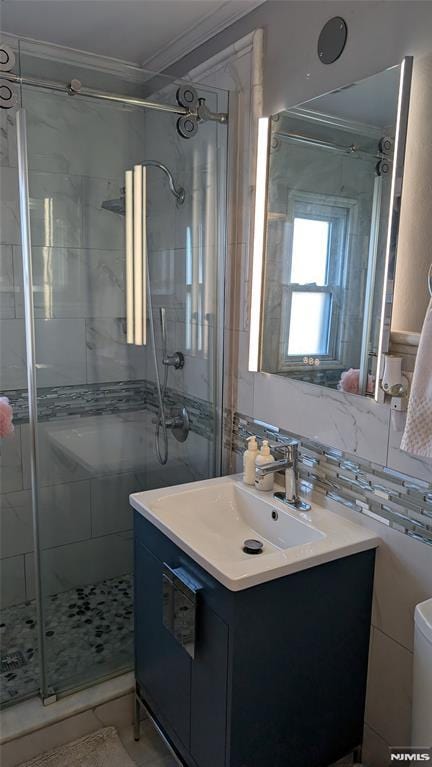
47 694
29 324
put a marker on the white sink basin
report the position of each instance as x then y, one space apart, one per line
222 517
211 520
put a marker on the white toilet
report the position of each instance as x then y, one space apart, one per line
422 679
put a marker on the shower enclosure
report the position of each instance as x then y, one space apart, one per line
86 402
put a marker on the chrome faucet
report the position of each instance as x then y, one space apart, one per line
289 463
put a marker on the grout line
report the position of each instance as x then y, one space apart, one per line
392 639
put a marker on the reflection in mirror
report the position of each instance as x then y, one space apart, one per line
328 202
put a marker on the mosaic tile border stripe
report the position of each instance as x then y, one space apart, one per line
395 499
110 398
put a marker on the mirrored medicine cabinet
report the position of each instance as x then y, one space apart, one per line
329 183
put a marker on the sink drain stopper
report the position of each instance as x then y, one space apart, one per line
252 546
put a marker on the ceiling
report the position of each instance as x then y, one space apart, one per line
151 33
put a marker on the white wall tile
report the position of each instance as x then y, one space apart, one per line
344 421
109 357
388 699
16 526
64 517
56 210
8 155
196 377
55 466
74 282
78 564
12 581
60 124
7 292
110 509
9 215
403 578
11 471
12 344
66 211
101 228
60 353
414 466
193 459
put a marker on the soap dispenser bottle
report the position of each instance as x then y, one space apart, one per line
249 456
264 456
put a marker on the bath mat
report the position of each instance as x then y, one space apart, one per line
100 749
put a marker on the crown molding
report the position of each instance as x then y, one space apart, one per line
207 27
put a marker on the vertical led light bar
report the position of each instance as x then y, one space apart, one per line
129 238
397 171
258 241
144 255
138 253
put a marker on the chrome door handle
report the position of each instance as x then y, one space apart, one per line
179 606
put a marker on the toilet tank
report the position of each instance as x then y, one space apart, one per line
422 676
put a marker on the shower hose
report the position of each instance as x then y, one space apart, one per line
162 453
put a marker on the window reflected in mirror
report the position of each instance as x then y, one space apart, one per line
328 206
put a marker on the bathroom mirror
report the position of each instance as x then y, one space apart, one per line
329 180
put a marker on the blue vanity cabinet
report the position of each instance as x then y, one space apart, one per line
279 673
162 665
188 697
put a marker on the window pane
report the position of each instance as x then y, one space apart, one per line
309 323
310 250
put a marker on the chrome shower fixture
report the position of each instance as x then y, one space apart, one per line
192 110
187 125
118 205
8 94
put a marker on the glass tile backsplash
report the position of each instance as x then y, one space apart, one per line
388 496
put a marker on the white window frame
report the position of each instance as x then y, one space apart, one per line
337 209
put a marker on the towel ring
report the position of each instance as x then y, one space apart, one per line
430 279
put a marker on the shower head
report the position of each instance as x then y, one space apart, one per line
115 206
118 205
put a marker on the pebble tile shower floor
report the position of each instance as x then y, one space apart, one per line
87 628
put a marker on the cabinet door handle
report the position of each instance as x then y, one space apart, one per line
179 606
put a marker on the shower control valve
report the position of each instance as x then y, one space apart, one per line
175 360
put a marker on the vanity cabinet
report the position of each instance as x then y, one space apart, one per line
278 675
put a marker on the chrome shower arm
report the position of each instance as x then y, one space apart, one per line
178 192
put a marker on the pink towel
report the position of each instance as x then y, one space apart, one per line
6 415
417 437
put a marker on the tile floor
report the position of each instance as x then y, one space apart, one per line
150 750
99 619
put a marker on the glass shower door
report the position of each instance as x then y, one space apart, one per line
19 673
96 395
